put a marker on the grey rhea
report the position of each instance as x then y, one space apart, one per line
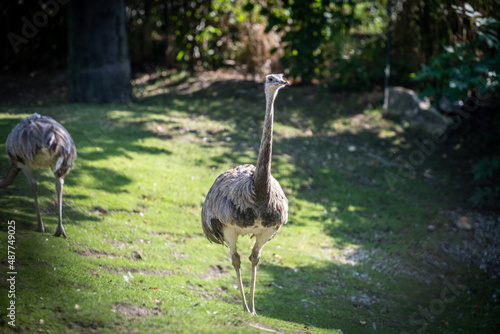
248 200
40 142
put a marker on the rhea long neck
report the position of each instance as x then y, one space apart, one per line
262 175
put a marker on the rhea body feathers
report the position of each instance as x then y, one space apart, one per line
234 205
39 142
248 200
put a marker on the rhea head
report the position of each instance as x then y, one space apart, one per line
274 82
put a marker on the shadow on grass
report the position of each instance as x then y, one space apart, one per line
326 296
57 291
18 205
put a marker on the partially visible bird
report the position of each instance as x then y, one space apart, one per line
40 142
248 200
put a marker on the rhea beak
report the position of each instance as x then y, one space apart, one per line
283 81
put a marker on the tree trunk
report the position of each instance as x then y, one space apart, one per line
98 59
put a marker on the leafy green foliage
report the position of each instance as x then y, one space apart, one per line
470 67
465 66
485 25
195 34
485 168
457 70
362 69
321 41
486 173
310 26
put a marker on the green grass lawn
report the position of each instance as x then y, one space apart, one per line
355 257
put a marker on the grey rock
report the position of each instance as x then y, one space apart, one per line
406 105
445 104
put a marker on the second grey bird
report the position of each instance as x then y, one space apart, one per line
248 200
40 142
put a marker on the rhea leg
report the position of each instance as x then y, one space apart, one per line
231 237
59 187
34 190
261 240
254 258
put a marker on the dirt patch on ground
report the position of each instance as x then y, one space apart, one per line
96 273
124 270
177 255
479 245
215 271
135 255
95 253
82 326
218 293
157 233
117 242
131 310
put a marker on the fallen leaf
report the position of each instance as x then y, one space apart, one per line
464 223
